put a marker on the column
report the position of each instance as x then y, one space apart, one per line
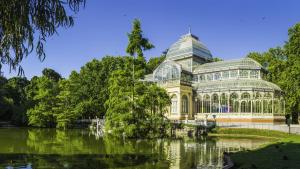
251 106
262 106
228 102
272 103
219 102
251 98
239 102
210 104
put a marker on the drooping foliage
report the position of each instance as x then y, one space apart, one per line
26 25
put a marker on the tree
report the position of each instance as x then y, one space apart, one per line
44 96
23 21
15 88
64 108
291 77
90 85
148 119
137 43
51 74
283 65
153 63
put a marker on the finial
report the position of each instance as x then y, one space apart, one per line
190 30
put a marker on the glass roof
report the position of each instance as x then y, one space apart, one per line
250 84
243 63
168 70
188 45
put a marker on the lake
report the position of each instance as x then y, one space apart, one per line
29 148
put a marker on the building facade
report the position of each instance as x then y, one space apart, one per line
226 91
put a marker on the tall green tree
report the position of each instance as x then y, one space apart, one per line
51 74
90 85
43 92
26 25
65 108
291 77
148 119
137 43
16 91
283 65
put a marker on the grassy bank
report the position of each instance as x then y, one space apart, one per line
282 153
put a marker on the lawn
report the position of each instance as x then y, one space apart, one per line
282 153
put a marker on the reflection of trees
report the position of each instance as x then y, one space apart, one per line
12 140
51 141
50 148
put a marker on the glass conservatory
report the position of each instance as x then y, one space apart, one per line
225 91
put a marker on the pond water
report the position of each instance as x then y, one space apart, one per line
50 148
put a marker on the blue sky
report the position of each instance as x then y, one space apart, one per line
230 29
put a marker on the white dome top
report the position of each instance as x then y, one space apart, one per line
188 45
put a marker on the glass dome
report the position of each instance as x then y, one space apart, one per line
188 45
168 70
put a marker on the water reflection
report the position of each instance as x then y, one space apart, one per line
50 148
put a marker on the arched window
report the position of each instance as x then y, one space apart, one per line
198 105
265 106
234 103
245 107
257 106
270 107
174 102
185 104
167 71
224 103
245 103
245 96
215 103
206 103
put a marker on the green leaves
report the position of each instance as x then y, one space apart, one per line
144 119
136 42
283 65
22 21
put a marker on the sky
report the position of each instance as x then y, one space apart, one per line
229 28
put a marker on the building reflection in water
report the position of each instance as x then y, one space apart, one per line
205 153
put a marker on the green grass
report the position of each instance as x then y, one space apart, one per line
241 132
282 153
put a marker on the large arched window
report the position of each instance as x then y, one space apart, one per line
198 105
185 104
167 71
224 103
174 102
265 106
206 103
270 107
234 103
245 103
245 107
257 106
215 103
